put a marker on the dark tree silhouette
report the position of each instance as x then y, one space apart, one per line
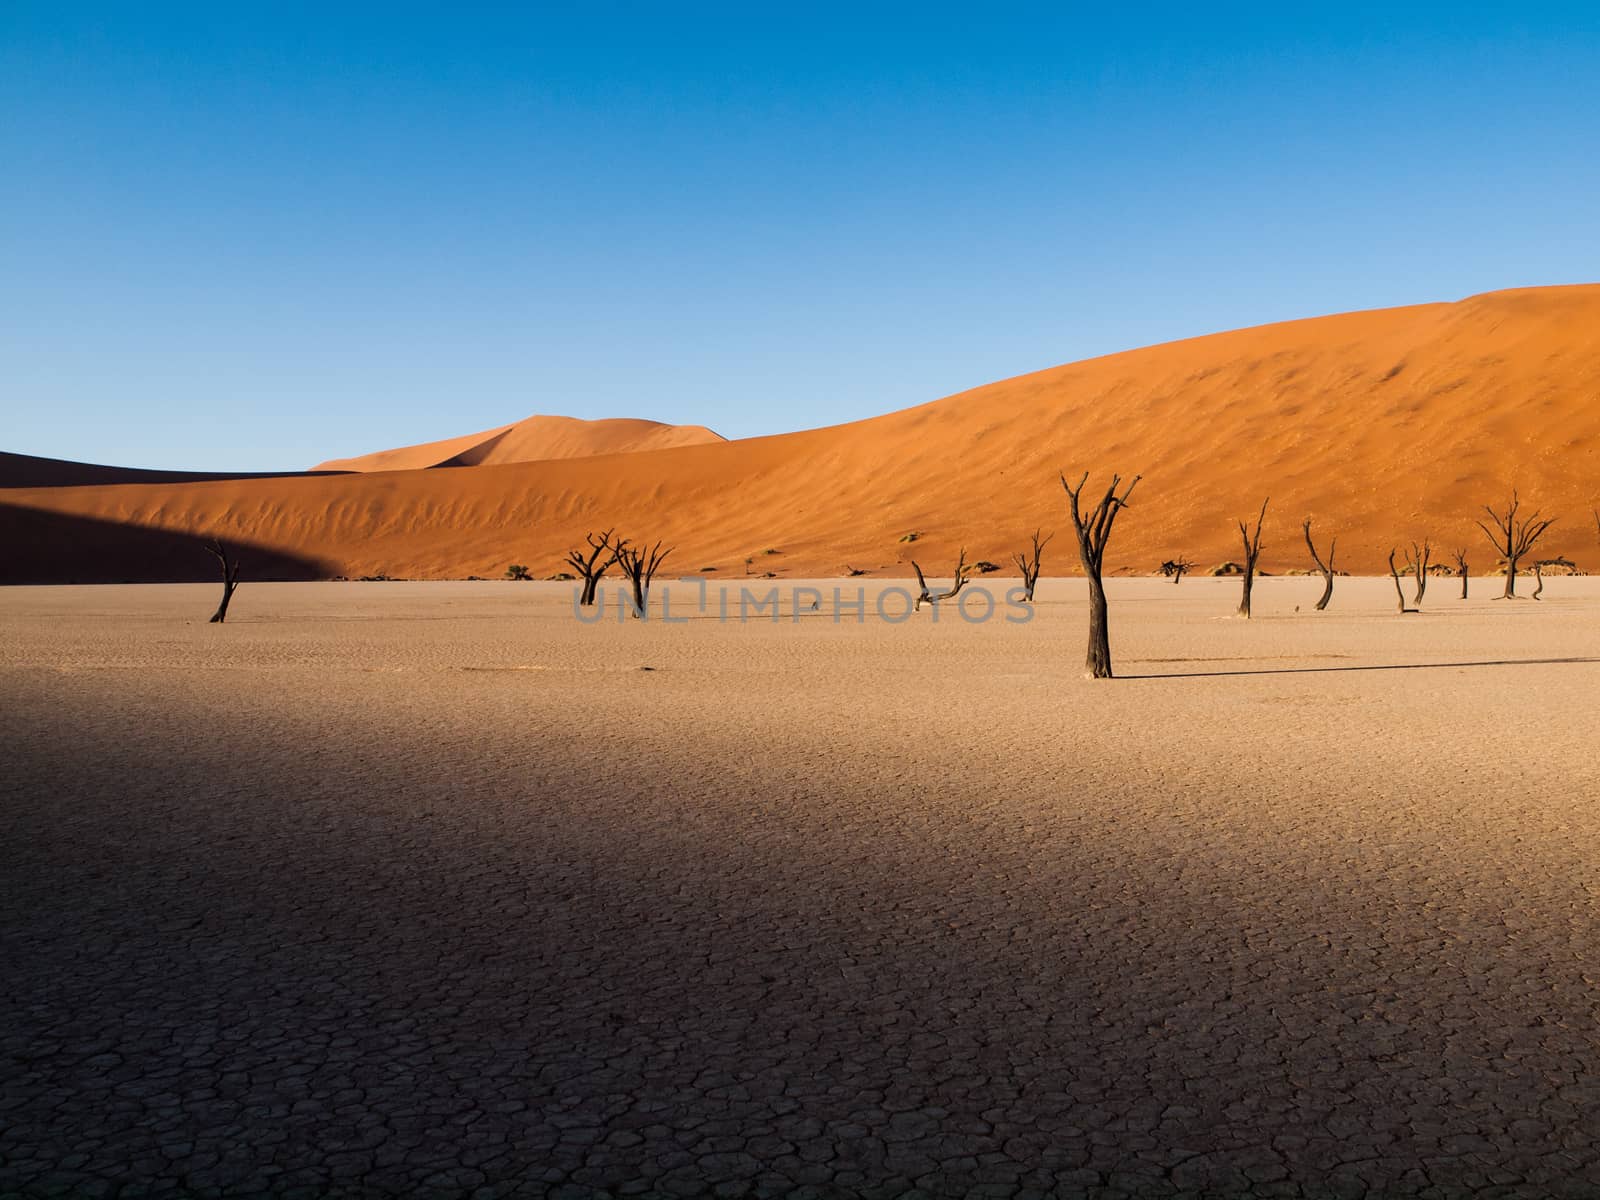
230 579
1174 568
1512 538
593 565
925 596
1094 531
1461 569
1028 563
1417 559
1325 567
639 565
1394 572
1252 551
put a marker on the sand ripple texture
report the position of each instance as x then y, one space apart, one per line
428 890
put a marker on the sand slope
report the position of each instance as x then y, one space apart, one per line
1383 425
532 440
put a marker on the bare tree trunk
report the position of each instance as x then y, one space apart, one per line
230 580
1417 558
1538 575
1325 567
1094 531
1461 570
1098 660
1252 551
1399 592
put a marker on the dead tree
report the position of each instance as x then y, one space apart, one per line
1538 571
1417 559
1094 531
1252 551
1028 563
1513 538
1461 569
1325 567
639 565
925 596
1394 572
592 567
1174 568
230 579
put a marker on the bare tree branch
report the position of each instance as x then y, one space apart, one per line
1028 563
1326 568
926 596
1512 538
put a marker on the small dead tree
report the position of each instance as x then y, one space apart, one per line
926 596
1252 551
1461 569
1394 572
1174 568
1326 568
1538 571
593 565
1028 563
1417 560
230 579
639 565
1512 538
1094 531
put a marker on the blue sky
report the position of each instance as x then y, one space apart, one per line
254 236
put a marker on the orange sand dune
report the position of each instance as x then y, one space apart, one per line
531 440
1384 426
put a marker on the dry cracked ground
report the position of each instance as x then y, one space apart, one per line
431 890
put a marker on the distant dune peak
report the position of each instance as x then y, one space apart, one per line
537 438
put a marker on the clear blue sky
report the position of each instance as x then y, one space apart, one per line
254 236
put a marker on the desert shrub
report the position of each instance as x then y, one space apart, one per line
518 571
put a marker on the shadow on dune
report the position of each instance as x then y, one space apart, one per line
1495 662
31 471
41 547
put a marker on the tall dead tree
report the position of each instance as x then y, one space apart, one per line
1394 572
1512 538
1028 563
639 565
1252 551
1461 569
592 567
1094 531
230 579
1325 567
926 596
1538 571
1417 559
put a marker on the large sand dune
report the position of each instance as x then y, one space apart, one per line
535 439
1384 426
